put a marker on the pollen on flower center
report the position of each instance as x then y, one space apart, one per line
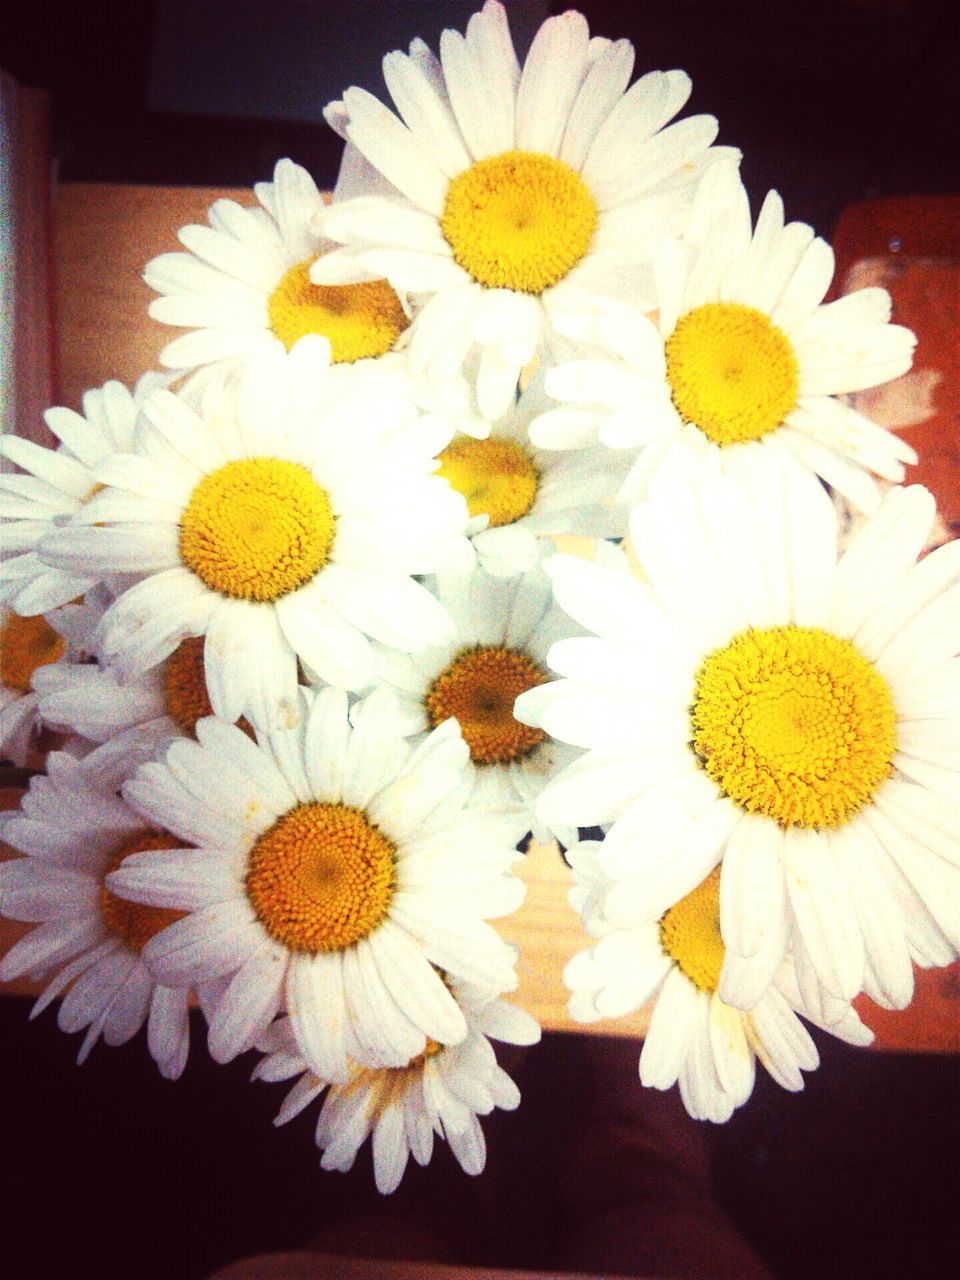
25 645
359 320
479 688
519 220
133 922
257 528
794 723
321 878
497 477
690 934
732 373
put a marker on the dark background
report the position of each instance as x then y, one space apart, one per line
114 1172
830 100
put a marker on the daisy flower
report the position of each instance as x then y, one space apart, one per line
519 195
503 631
519 496
283 525
54 485
29 647
74 832
743 355
132 720
695 1039
245 283
441 1091
760 701
335 870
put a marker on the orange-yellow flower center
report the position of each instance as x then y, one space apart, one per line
794 723
732 373
25 644
132 922
360 320
321 878
496 477
257 528
479 688
519 220
690 934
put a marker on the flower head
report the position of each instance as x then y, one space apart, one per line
332 870
743 356
283 522
244 283
504 629
74 831
695 1039
442 1091
760 702
519 194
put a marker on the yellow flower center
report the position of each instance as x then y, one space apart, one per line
321 878
257 528
360 320
25 644
132 922
794 723
690 934
497 477
732 373
518 221
479 688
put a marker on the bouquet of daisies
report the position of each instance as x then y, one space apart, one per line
297 606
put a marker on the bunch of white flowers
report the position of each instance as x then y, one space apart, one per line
329 669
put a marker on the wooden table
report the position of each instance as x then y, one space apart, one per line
103 236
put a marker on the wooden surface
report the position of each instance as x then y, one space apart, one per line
103 237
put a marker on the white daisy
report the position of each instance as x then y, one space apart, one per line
695 1040
758 700
519 496
286 525
56 484
335 867
441 1091
743 355
244 284
519 196
504 628
30 647
73 832
133 720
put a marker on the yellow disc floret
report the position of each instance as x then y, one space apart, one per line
479 688
133 922
321 878
794 723
519 220
257 528
25 644
360 320
690 934
497 477
732 373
